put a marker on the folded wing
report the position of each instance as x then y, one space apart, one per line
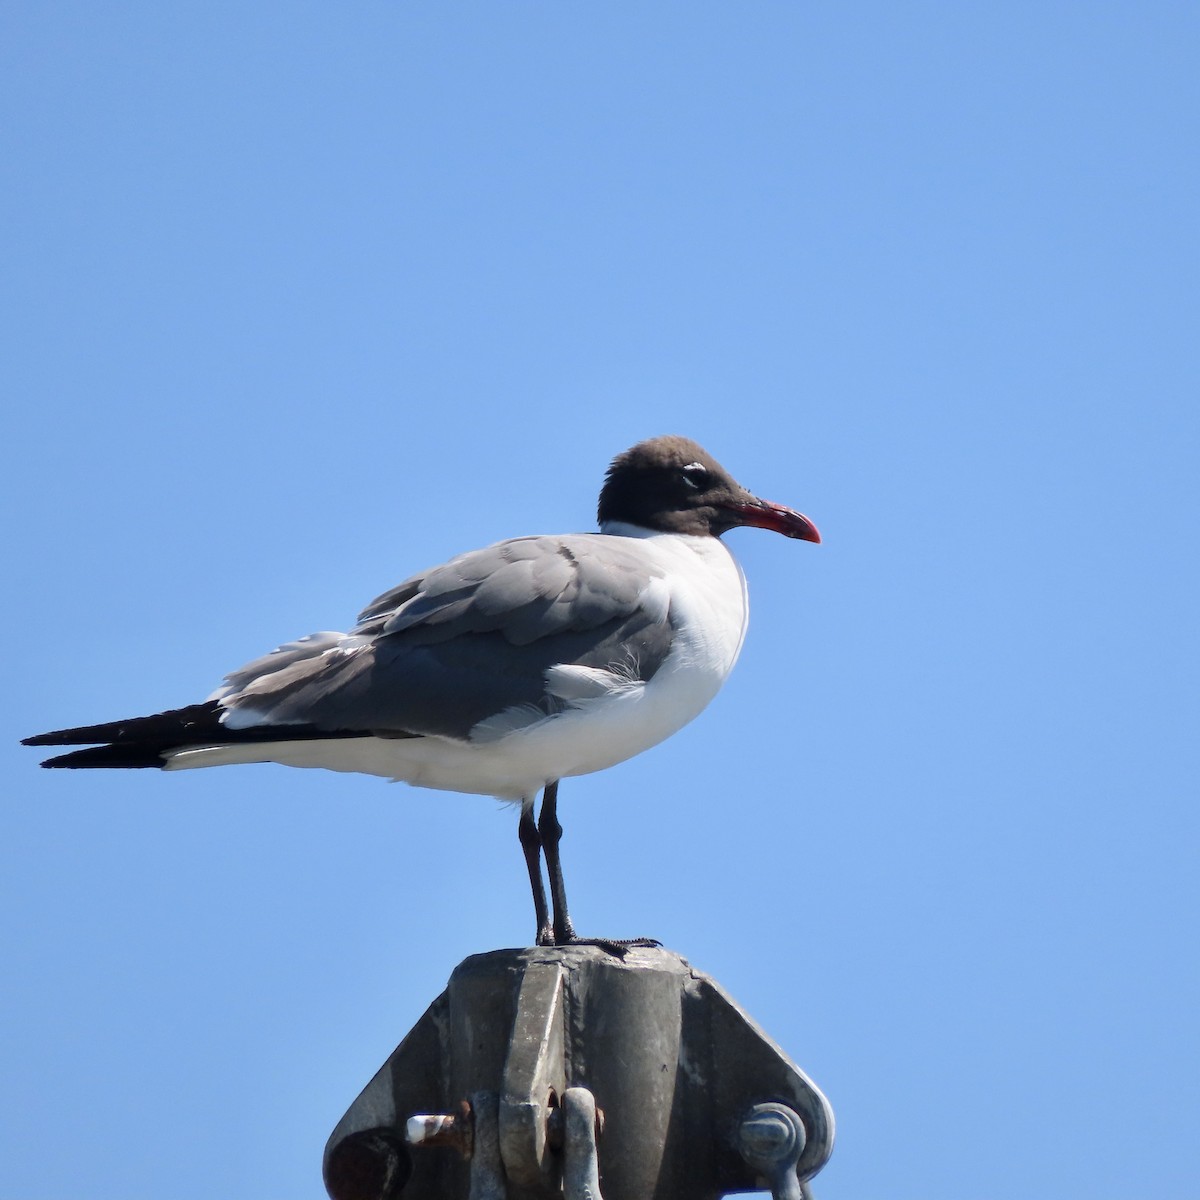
457 646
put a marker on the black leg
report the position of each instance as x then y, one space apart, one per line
531 845
551 833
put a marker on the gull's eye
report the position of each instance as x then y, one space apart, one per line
695 476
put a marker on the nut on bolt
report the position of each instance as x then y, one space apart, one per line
771 1138
770 1134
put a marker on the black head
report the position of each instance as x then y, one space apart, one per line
672 485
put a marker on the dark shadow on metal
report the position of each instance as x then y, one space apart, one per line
545 1072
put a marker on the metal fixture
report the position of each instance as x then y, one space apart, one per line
493 1095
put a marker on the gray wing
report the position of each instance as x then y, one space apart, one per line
467 641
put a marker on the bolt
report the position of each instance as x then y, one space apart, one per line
442 1129
771 1139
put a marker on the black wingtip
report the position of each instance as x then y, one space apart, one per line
176 726
148 741
108 756
135 742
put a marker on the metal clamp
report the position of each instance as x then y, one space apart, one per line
771 1138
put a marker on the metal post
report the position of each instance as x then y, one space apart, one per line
636 1075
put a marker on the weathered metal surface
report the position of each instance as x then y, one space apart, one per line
487 1168
673 1063
534 1075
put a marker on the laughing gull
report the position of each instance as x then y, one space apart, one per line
505 669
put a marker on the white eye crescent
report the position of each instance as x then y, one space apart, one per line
695 475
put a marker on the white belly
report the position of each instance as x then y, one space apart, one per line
709 610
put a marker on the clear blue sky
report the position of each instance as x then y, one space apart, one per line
298 300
